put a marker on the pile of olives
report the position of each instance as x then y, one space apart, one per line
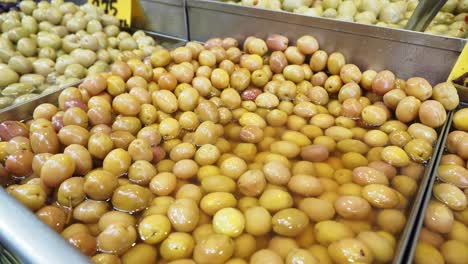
450 21
274 153
51 44
444 237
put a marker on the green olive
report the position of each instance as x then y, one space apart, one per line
8 77
17 89
48 53
17 33
27 46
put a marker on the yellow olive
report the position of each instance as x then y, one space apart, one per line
427 253
131 198
328 232
229 221
216 248
380 196
438 218
350 250
154 228
290 222
177 245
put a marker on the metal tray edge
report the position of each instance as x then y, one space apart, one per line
24 110
393 34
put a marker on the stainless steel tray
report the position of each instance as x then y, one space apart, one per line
21 233
24 110
422 211
404 52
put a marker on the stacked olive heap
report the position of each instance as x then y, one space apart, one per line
275 154
444 237
59 43
450 21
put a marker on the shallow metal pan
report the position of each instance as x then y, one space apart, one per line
425 202
24 110
22 234
404 52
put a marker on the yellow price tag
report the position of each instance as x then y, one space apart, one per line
461 66
122 9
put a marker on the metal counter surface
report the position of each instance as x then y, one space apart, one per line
404 52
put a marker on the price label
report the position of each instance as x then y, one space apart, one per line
122 9
461 66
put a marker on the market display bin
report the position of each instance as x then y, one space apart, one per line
434 178
405 53
23 111
26 239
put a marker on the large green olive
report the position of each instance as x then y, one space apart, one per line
62 63
103 55
43 66
108 20
47 53
60 31
10 24
127 44
32 196
45 39
6 54
25 98
17 89
89 42
68 7
54 15
20 64
8 77
30 24
27 7
17 33
97 68
111 30
5 101
75 24
131 198
5 43
101 38
93 26
75 71
70 43
27 47
39 14
84 57
45 26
